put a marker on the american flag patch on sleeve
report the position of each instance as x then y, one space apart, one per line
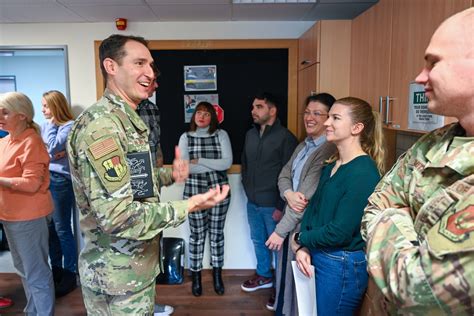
103 147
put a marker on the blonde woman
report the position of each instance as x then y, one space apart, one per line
62 245
25 200
330 229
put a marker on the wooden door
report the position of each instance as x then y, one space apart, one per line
413 24
308 47
370 53
307 85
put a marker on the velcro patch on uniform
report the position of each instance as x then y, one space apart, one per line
103 148
108 161
452 234
115 169
459 225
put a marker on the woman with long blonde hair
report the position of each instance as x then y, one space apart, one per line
62 245
330 230
25 201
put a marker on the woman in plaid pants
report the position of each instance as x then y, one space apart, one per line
210 155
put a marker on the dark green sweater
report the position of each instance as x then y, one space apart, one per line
333 216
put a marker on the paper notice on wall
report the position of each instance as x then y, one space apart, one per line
419 117
192 100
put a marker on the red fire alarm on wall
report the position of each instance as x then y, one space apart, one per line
121 24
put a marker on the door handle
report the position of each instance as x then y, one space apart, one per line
381 106
387 108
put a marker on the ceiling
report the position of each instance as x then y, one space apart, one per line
77 11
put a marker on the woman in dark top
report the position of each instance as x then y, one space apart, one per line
330 230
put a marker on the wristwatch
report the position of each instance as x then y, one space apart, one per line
297 238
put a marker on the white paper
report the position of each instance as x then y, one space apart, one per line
305 291
419 117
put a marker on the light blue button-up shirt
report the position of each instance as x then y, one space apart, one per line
303 155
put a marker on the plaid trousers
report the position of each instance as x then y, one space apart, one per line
212 219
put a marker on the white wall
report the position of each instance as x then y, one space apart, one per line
79 37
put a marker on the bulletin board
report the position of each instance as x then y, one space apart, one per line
244 68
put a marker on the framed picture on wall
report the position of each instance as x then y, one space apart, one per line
200 78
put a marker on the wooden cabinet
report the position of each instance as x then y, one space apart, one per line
307 85
308 47
370 53
414 22
388 44
331 42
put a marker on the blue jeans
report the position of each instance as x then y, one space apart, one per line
61 240
262 226
341 280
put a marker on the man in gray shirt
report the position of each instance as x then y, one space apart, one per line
268 147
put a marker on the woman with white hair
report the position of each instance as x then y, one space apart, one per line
25 201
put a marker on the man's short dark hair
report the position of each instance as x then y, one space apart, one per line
113 47
269 98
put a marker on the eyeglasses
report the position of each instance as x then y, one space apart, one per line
203 114
316 113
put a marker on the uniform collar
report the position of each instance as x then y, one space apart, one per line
125 108
458 159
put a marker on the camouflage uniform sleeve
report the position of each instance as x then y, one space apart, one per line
412 274
397 263
107 179
164 176
415 270
389 193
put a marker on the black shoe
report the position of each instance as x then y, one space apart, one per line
218 283
66 285
197 286
57 274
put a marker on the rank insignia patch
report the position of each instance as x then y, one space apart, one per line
115 169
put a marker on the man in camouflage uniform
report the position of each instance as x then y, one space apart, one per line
119 262
419 224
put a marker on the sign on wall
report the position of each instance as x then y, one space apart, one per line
419 116
200 78
192 100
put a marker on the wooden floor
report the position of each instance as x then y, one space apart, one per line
233 302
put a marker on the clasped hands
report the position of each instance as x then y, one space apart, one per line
199 201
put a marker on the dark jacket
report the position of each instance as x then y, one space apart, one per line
262 160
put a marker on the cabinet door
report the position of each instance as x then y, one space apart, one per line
335 59
307 85
370 53
308 47
414 22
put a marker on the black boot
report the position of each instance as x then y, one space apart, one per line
218 283
67 283
197 286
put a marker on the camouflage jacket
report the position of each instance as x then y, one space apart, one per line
120 234
418 224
